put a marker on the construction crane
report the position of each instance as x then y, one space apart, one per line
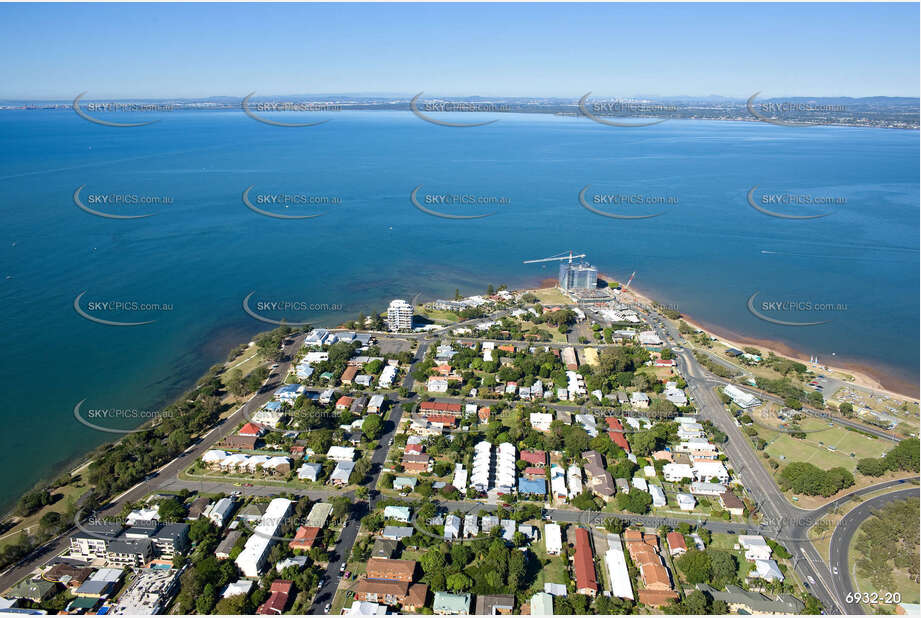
569 257
631 280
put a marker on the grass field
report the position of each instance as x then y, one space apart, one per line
62 496
436 315
555 572
551 296
246 362
825 446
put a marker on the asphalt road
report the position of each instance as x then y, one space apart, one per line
343 549
841 539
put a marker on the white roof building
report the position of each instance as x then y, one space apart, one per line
558 482
316 337
505 473
540 421
639 400
574 479
342 472
309 471
756 548
621 584
589 424
214 456
509 528
707 489
452 527
252 559
341 453
241 586
658 496
471 527
676 396
686 502
366 608
220 512
460 477
479 475
649 337
290 392
740 397
706 470
640 483
767 570
554 538
387 376
673 472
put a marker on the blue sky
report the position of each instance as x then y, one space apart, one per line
191 50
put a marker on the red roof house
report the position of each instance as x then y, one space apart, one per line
344 402
434 407
586 579
251 430
305 537
280 592
676 544
535 458
620 440
444 419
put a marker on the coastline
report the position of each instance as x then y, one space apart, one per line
67 106
864 374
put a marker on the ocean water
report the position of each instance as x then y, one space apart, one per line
204 252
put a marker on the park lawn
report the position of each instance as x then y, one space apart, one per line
817 447
246 363
550 296
72 491
437 315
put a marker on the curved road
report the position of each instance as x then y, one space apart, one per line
841 539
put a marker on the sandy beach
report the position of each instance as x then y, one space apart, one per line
863 375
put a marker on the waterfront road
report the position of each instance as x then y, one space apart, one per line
164 476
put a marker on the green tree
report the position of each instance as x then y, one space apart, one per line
371 426
458 582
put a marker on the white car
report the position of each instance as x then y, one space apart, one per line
326 609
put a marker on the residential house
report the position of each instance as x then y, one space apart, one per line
342 473
417 462
756 548
541 604
676 543
599 479
741 601
586 578
731 502
451 604
494 604
305 537
553 538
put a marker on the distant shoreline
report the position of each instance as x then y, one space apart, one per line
736 115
